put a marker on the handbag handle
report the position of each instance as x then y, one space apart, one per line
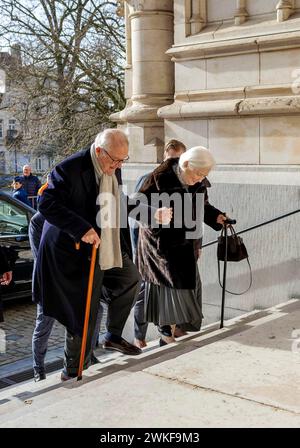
236 293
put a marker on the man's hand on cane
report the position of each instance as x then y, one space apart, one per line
92 237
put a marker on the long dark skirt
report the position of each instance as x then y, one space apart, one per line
1 310
168 306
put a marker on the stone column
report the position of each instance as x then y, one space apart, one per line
152 83
284 9
241 13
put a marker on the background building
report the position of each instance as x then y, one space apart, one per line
13 154
225 74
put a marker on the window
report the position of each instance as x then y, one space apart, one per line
38 164
12 124
2 162
13 220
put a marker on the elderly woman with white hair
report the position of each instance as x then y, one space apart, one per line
167 256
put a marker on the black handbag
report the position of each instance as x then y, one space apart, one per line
236 251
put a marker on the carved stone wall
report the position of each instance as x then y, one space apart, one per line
149 75
234 73
237 91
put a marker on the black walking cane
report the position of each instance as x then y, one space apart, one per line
227 222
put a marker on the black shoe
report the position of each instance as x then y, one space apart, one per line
123 346
94 360
39 376
165 330
162 343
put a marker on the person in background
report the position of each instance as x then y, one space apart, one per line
31 185
19 192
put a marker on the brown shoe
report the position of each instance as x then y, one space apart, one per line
140 343
123 346
179 332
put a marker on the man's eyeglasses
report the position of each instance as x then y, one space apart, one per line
115 161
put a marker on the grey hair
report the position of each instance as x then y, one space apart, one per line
197 157
105 138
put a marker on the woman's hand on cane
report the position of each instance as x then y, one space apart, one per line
92 237
221 219
163 215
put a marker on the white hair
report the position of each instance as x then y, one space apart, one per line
197 157
105 138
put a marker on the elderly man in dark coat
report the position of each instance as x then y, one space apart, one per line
71 209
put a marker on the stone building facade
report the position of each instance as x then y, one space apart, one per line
224 74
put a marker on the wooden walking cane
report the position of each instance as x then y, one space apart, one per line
87 313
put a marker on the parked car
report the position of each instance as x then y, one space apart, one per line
6 181
14 222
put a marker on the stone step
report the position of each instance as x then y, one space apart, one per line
244 373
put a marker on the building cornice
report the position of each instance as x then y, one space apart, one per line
241 45
231 108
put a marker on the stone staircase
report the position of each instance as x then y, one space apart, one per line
245 375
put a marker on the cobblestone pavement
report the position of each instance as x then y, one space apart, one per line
19 323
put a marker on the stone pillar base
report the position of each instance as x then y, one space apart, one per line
146 141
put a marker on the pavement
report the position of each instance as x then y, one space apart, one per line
17 331
244 375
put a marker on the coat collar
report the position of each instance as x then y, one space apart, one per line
88 174
165 178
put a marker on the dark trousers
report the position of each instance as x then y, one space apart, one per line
1 310
40 337
122 285
140 325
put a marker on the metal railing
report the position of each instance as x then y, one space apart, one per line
257 226
32 200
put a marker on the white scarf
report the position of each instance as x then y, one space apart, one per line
110 255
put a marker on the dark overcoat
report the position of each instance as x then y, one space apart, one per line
165 255
69 207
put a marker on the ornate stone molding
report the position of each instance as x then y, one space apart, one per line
227 108
236 93
196 16
120 8
241 13
252 100
244 45
284 9
137 5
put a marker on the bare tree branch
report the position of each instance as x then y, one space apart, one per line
71 76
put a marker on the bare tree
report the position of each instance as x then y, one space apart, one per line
68 78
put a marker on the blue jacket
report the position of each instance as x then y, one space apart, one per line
21 195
